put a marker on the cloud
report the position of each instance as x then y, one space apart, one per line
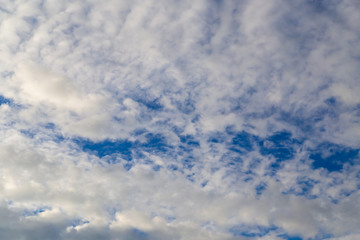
179 120
41 90
38 85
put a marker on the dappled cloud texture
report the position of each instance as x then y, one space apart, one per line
207 119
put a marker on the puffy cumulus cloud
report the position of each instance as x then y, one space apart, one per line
179 120
59 100
35 85
75 195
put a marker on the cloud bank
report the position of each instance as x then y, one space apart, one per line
179 120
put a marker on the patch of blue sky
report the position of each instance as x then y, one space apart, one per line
70 29
139 234
155 142
127 166
280 145
264 113
154 104
49 125
117 150
254 163
196 118
112 210
260 188
146 99
332 101
251 230
217 137
44 132
170 219
244 141
109 150
322 235
25 35
321 6
139 131
4 100
6 74
108 147
248 177
185 151
53 131
346 192
306 122
79 222
31 20
173 167
333 157
204 183
35 212
188 162
187 106
273 168
4 10
188 143
290 237
238 142
357 110
303 187
191 177
218 3
233 161
28 133
156 167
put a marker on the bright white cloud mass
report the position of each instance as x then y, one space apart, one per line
184 120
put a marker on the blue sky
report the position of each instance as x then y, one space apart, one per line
229 120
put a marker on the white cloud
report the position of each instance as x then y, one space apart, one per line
38 85
85 69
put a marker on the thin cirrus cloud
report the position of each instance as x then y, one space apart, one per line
179 120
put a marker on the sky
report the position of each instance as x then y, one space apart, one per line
183 120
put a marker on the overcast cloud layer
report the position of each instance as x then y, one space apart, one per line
184 120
